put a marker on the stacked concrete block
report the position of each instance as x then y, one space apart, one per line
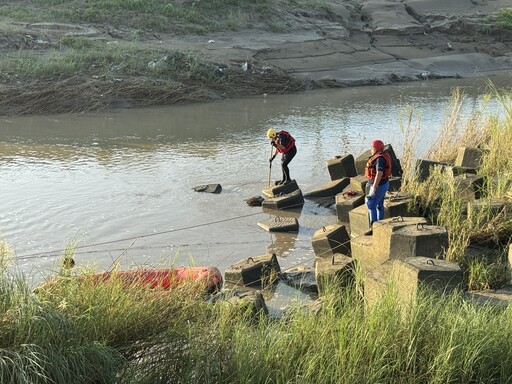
330 189
376 282
278 190
438 275
399 238
330 240
469 186
345 202
469 157
285 201
341 166
367 255
414 273
338 269
402 237
399 205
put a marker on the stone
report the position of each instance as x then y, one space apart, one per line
208 188
358 183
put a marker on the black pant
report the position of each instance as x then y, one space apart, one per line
285 160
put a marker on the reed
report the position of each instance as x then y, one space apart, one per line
487 221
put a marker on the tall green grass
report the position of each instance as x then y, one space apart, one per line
75 330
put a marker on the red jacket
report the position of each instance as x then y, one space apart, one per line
370 170
283 142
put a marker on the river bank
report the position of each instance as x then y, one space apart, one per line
60 66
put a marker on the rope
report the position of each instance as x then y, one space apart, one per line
41 254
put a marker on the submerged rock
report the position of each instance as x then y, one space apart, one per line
209 188
255 201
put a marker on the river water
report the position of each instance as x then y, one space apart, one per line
117 186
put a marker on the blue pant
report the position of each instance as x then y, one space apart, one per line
375 203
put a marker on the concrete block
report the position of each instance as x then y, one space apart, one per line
413 273
290 200
280 224
358 217
469 186
499 298
416 240
376 282
358 220
399 204
367 255
425 167
383 231
331 239
341 166
278 190
469 157
345 202
337 268
253 270
395 183
330 189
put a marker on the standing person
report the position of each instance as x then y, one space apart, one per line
284 143
377 171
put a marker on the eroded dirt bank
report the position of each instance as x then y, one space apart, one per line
375 42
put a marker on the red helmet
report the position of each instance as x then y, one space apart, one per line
378 145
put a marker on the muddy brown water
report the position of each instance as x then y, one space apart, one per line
118 185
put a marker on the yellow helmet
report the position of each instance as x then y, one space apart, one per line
271 133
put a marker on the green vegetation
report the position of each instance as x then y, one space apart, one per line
504 19
159 15
486 222
80 332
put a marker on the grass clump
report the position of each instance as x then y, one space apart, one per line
504 20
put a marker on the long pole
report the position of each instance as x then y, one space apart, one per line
270 169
